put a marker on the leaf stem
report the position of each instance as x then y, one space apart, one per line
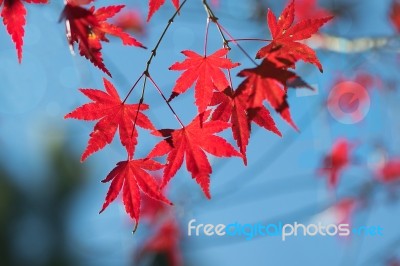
206 36
230 78
154 51
236 43
134 85
214 19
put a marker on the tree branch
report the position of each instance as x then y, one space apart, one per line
349 45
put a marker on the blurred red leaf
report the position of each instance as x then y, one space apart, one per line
395 14
335 162
344 210
308 9
13 14
131 20
365 79
165 243
340 212
390 171
154 211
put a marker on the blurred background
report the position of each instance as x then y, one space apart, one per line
349 128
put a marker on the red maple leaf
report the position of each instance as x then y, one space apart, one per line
267 82
231 107
154 211
206 72
191 142
164 244
88 28
284 46
13 14
112 114
336 161
132 175
155 5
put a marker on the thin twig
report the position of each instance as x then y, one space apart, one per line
154 50
146 71
236 43
221 31
214 19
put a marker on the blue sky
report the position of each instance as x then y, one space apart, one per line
35 95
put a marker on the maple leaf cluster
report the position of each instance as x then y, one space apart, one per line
220 106
113 114
266 82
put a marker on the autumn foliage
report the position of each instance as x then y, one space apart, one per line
221 105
